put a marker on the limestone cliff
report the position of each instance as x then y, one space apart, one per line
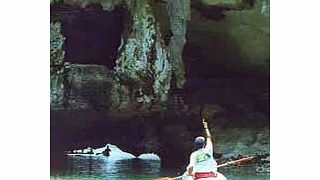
162 48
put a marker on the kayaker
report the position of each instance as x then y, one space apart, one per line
202 165
106 152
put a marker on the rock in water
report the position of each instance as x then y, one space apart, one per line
149 156
115 153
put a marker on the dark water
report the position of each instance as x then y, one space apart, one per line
81 168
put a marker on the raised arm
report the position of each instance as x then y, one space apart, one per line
206 128
209 145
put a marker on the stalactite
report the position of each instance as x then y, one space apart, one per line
179 13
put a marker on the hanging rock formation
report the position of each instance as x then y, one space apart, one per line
143 69
179 13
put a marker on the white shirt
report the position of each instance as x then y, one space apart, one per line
202 160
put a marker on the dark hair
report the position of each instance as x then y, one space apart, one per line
199 145
199 142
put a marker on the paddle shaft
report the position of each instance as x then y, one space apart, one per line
235 161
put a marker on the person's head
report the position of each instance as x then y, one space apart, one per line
199 142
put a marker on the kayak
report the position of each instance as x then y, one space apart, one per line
219 177
185 177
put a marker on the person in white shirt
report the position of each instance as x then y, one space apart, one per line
202 165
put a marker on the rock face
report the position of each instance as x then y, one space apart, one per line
74 86
58 68
228 38
82 87
108 5
146 68
234 143
242 141
143 69
92 35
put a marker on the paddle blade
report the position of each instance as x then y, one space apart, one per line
163 178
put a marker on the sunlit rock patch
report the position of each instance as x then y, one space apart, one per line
149 156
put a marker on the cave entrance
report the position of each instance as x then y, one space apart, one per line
92 34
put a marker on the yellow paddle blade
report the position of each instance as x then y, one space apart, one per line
163 178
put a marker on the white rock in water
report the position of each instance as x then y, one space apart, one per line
149 156
115 153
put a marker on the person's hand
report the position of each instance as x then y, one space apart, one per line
205 124
189 170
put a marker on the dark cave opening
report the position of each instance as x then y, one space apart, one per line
92 34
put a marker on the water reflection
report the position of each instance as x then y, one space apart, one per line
233 176
101 168
81 167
